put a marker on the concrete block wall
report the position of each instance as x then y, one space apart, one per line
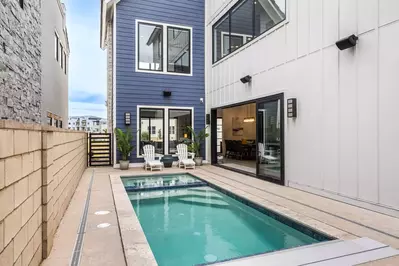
40 168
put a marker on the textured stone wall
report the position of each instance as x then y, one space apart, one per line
20 50
110 76
40 167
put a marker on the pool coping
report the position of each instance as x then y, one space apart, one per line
142 249
136 248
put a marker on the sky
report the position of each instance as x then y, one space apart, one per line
87 61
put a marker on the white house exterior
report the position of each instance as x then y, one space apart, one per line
55 64
344 142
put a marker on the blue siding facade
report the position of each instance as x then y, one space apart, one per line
137 88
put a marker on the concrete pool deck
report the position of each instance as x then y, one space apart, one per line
105 246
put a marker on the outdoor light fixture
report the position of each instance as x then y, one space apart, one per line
127 119
167 93
246 79
347 42
291 108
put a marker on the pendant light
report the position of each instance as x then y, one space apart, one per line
249 119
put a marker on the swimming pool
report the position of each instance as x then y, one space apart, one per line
200 225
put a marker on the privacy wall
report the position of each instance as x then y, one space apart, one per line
40 168
345 139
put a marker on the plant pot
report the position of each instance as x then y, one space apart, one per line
167 161
124 165
198 161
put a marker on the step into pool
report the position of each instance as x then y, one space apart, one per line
202 225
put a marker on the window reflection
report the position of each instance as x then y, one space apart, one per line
152 129
245 21
150 47
179 120
178 50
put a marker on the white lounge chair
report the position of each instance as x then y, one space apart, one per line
265 155
184 160
149 159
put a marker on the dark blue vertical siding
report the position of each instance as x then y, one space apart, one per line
135 88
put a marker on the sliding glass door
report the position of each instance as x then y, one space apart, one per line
179 120
152 129
270 139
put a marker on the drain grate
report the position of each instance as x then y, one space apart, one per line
77 251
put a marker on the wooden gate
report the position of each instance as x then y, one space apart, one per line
100 149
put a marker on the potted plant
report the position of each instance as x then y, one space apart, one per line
125 147
195 145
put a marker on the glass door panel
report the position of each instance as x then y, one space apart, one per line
269 137
152 129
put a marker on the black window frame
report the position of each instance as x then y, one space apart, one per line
57 47
62 55
149 125
191 122
138 46
228 16
65 63
189 49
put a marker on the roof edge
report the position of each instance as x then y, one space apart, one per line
106 7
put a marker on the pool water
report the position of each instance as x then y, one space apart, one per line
160 181
193 226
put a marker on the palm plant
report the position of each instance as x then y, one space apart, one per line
197 139
124 142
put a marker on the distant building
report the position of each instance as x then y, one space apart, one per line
88 123
55 64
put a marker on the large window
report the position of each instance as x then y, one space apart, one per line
244 22
179 120
151 129
150 47
150 53
178 50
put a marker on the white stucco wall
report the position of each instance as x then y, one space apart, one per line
54 79
345 140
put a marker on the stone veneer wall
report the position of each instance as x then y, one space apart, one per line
40 168
110 76
20 51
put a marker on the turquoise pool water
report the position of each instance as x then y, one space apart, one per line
193 226
160 181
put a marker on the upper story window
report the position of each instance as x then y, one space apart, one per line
179 50
62 56
172 56
65 63
245 21
56 46
150 52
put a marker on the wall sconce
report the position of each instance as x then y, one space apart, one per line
246 79
127 119
167 93
347 42
291 108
